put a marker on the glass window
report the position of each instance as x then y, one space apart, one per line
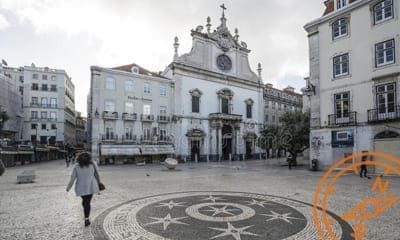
266 118
53 126
35 86
163 111
385 53
44 102
53 102
146 133
249 110
53 88
34 115
109 133
44 77
339 28
385 98
383 11
43 115
44 87
341 65
35 76
109 106
33 126
129 87
53 115
163 91
195 104
110 83
35 100
225 105
340 3
342 105
146 88
129 107
146 109
53 78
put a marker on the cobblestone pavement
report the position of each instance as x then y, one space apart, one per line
44 210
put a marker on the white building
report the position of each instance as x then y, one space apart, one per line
129 114
11 103
354 79
48 105
214 99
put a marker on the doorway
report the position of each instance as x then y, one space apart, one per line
227 142
195 150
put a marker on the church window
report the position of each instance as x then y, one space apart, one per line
196 95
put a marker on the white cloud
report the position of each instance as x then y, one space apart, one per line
3 22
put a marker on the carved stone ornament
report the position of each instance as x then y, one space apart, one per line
224 63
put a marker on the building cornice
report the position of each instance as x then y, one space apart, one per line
335 14
215 76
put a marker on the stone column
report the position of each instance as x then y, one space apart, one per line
219 143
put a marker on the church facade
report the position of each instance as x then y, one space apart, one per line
215 100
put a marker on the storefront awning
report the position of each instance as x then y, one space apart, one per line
157 150
119 151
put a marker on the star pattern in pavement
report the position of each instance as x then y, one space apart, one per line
167 220
277 216
223 210
233 231
254 202
213 199
171 204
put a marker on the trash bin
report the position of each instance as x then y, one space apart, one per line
314 165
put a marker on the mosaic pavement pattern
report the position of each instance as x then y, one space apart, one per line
211 215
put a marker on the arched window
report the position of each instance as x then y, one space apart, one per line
196 95
129 87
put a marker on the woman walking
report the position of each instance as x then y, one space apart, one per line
85 172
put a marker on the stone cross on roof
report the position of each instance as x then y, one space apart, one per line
223 10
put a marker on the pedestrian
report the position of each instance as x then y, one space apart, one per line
364 170
2 168
85 173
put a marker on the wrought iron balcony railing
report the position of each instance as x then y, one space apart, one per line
384 114
145 117
162 118
129 116
349 119
110 115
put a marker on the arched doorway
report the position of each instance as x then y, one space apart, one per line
227 138
196 139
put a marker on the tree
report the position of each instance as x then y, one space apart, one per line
3 119
293 135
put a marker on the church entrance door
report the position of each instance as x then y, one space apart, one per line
227 136
195 150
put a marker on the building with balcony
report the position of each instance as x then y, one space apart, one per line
207 105
11 103
48 105
277 102
353 87
80 130
129 112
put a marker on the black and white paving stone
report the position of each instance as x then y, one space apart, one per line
211 215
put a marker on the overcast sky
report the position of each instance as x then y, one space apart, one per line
75 34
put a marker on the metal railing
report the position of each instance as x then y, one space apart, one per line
384 114
109 137
110 115
162 118
129 116
145 117
348 119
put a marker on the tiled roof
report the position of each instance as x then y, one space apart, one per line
143 71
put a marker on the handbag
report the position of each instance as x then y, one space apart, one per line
102 187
